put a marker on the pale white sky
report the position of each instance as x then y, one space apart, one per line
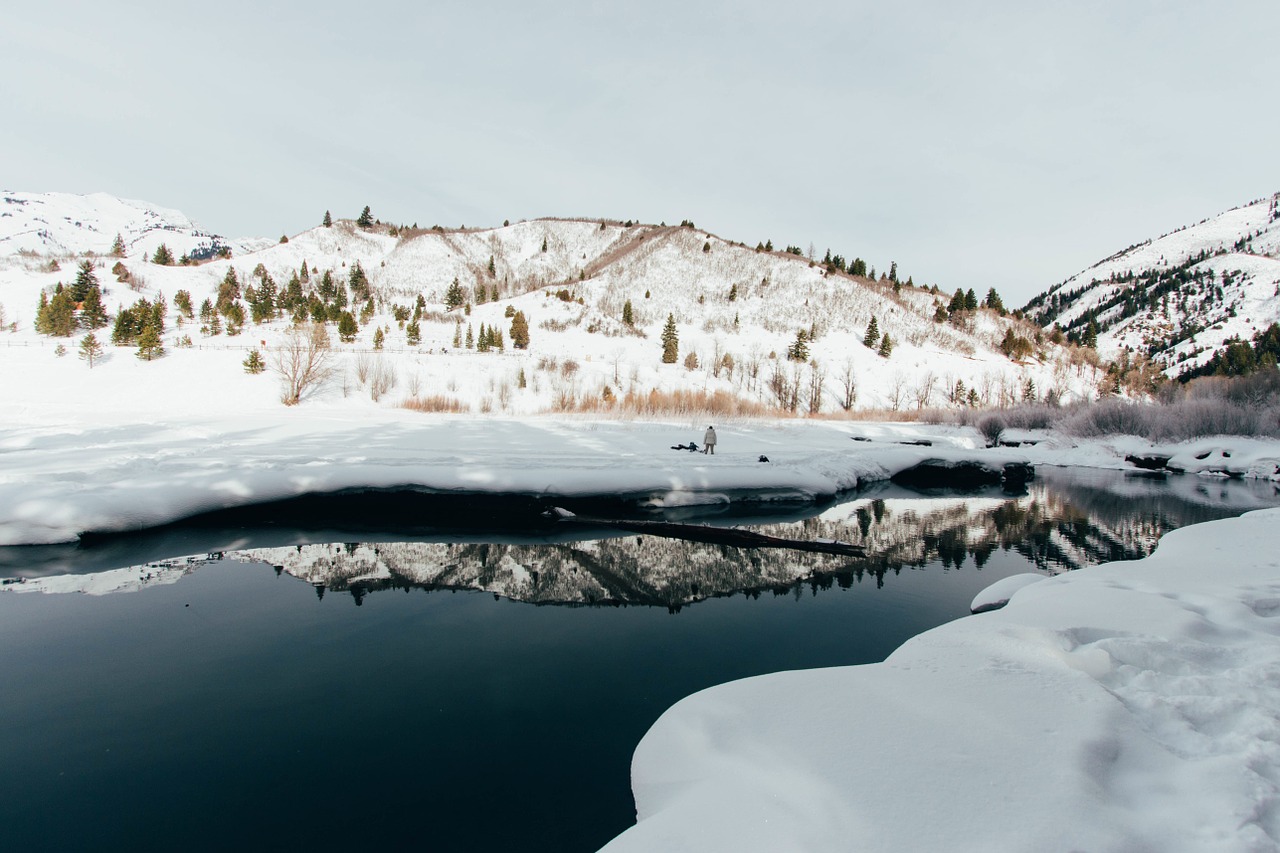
1005 144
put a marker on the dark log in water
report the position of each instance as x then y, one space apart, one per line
714 535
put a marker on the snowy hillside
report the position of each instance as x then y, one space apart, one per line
66 225
738 312
1180 297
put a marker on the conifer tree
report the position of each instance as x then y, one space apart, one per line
215 324
733 292
378 338
453 296
994 302
957 302
482 340
85 279
413 333
670 341
149 346
544 244
117 247
328 220
886 346
628 316
162 256
872 337
366 218
347 327
304 274
519 331
800 349
253 363
182 301
457 335
90 349
471 338
60 316
42 314
970 300
92 314
492 269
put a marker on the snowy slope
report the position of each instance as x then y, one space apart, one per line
1128 706
738 311
1181 296
67 225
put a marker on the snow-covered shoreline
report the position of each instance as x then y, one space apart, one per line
1125 706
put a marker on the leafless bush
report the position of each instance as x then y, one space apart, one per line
991 426
698 404
569 368
364 364
434 403
304 361
382 379
414 384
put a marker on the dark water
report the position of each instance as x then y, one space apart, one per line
241 708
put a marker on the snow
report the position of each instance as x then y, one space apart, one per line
998 594
1124 706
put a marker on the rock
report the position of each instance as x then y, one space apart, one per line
1149 461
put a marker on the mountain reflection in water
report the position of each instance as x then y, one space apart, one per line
1068 519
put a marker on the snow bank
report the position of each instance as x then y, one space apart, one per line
1125 706
57 482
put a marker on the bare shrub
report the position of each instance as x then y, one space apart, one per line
697 404
364 364
414 385
434 403
382 379
569 368
991 426
304 361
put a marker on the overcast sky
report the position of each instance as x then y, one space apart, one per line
976 144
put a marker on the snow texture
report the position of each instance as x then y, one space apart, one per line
1128 706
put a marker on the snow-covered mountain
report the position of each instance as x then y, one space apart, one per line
1180 297
738 311
67 225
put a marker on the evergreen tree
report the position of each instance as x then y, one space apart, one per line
347 327
957 302
328 220
457 335
117 247
970 300
378 338
886 346
492 270
628 315
1091 334
413 333
42 314
162 256
544 244
215 324
254 363
872 336
149 346
482 341
799 351
519 331
994 302
228 291
85 279
235 319
92 314
733 293
90 349
358 282
471 338
182 301
670 341
893 272
453 296
60 316
304 274
366 218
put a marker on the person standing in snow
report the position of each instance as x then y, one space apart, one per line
710 441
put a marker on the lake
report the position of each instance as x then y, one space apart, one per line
481 683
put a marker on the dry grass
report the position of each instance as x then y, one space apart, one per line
435 403
704 405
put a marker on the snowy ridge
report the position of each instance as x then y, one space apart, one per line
738 312
1181 296
67 225
1124 706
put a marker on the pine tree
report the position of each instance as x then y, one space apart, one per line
92 314
378 338
957 302
492 270
457 335
347 327
254 363
453 296
413 333
149 346
482 341
85 279
328 220
42 314
628 317
118 247
544 244
366 218
1091 334
893 271
90 349
970 300
60 316
162 256
670 341
304 274
358 282
182 301
886 346
519 331
872 337
800 349
471 338
994 302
